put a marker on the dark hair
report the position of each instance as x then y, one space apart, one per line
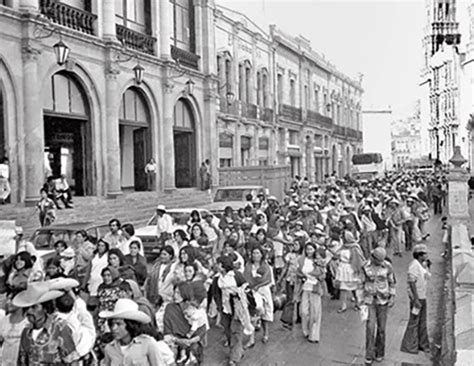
158 301
181 233
65 303
226 262
195 213
418 255
129 229
192 264
62 242
106 243
169 249
192 228
186 291
43 190
125 286
118 253
25 257
190 251
83 233
260 249
136 242
115 221
53 261
310 244
262 231
48 306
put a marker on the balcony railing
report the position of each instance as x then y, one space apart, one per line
225 107
135 40
318 119
185 58
347 132
68 16
266 114
339 131
290 112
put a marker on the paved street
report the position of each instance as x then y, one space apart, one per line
343 335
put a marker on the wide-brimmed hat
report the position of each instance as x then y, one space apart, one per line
305 207
125 309
272 198
420 248
394 201
36 293
300 223
292 204
161 208
379 253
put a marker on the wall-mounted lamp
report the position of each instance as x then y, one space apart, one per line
61 50
229 96
189 87
138 70
328 107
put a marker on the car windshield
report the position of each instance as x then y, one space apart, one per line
238 194
46 239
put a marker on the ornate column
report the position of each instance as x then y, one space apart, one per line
108 20
114 181
168 136
165 27
33 126
29 5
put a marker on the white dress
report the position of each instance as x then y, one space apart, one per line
345 275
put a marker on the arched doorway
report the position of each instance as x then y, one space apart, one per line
184 145
135 142
67 132
334 160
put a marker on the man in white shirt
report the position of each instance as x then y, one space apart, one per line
416 334
164 223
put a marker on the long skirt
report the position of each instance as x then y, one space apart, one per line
311 312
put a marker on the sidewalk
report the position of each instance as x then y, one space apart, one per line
343 335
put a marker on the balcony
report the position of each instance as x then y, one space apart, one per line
226 108
135 40
340 131
266 114
185 58
318 119
68 16
290 112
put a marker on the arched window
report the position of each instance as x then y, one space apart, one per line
63 95
133 108
183 117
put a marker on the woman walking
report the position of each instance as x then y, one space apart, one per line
311 272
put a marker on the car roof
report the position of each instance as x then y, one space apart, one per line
241 187
71 226
185 210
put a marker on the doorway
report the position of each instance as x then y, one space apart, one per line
65 151
185 169
184 139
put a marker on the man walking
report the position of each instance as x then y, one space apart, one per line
379 295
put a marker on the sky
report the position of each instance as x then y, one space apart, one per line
379 38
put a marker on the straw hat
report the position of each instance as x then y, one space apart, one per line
305 207
36 293
379 253
126 309
161 208
420 248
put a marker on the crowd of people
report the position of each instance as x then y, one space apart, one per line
97 301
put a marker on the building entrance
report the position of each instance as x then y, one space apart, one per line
65 151
184 145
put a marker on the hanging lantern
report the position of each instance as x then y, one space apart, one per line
189 87
62 52
230 97
138 70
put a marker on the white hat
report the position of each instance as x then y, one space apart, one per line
18 230
36 293
62 283
272 198
319 227
161 208
125 309
68 253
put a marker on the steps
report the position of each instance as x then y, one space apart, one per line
134 207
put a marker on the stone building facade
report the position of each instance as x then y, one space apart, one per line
153 79
89 118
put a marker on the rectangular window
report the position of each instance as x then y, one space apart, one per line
294 137
248 84
132 14
292 93
225 163
183 30
316 100
306 97
280 88
264 90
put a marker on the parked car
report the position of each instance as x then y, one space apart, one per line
180 217
44 238
234 196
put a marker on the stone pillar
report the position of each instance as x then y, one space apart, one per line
33 126
286 141
168 136
199 39
165 26
114 179
458 190
254 146
29 5
237 155
108 20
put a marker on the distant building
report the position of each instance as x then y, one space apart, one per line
376 130
406 142
441 77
